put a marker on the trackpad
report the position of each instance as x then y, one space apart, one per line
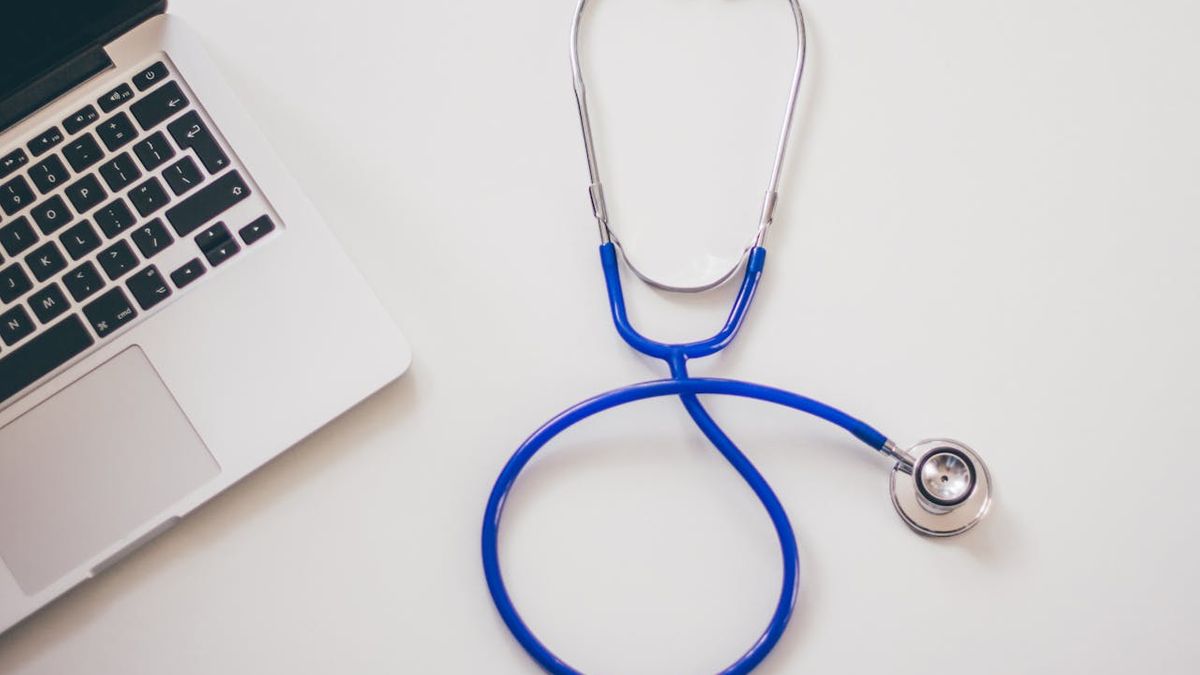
91 464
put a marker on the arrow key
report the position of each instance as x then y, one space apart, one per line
188 273
257 229
217 244
212 237
219 254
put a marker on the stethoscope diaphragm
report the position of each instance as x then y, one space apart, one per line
942 488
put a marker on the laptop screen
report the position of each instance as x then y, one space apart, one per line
38 35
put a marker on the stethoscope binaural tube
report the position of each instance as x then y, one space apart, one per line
596 192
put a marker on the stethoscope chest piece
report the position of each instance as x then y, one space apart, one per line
944 491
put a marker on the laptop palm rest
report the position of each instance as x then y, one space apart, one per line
90 465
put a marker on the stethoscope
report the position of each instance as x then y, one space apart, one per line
939 487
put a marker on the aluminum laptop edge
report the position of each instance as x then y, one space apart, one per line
205 375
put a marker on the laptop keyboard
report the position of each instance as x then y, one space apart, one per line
93 209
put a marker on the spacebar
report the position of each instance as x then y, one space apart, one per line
40 356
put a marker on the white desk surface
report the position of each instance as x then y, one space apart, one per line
988 231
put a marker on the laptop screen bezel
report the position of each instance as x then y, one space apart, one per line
46 34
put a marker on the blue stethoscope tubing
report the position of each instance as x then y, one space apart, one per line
687 389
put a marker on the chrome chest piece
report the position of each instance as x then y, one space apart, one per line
940 487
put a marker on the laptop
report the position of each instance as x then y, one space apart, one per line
173 311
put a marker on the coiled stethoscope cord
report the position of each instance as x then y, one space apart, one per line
687 389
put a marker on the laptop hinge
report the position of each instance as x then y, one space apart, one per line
71 72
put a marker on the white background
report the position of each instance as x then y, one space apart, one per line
988 231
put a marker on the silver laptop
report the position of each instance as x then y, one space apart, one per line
173 312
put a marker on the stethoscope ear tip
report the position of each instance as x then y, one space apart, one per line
943 488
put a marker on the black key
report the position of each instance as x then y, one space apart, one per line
48 174
109 312
49 303
217 244
13 283
117 260
46 261
161 104
51 215
190 272
15 325
148 287
85 193
42 355
120 172
114 218
17 236
83 152
80 119
49 138
189 132
222 252
257 229
152 238
12 161
15 195
80 240
150 76
83 281
113 99
116 131
212 237
211 201
183 175
148 197
154 151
